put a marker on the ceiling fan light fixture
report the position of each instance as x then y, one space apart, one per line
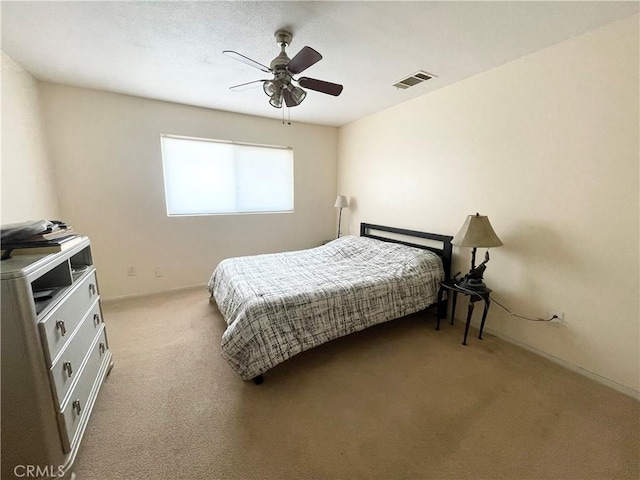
269 88
297 94
276 100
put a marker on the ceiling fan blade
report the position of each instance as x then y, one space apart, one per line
320 86
303 60
246 86
246 60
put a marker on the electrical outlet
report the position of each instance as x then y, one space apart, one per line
159 272
131 271
556 318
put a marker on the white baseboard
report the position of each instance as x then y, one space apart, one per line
575 368
140 295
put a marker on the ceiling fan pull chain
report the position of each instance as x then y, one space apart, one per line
289 115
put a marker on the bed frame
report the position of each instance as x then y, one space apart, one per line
444 250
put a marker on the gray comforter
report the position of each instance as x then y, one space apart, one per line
278 305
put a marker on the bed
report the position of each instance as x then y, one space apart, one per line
278 305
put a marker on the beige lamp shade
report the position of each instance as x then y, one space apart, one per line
341 202
477 232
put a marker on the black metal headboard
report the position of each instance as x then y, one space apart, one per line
445 251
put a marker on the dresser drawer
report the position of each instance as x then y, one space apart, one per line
68 364
80 400
58 326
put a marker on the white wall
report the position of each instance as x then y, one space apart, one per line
547 147
28 185
106 151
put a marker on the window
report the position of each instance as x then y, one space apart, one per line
208 177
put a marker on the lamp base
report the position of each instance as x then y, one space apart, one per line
473 280
472 284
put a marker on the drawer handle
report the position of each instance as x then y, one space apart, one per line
102 348
60 326
67 368
76 406
92 289
96 319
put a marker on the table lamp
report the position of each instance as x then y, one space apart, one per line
477 232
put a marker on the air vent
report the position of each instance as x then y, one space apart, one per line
414 79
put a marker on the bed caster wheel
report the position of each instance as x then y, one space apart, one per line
258 380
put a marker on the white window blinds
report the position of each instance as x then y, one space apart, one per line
204 177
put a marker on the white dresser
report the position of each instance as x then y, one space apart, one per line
55 356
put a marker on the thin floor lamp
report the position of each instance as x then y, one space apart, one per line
341 202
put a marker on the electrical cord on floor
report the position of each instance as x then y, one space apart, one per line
472 292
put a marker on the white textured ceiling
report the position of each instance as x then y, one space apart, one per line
173 50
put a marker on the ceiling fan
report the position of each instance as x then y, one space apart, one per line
281 87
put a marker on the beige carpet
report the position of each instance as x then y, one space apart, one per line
397 401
